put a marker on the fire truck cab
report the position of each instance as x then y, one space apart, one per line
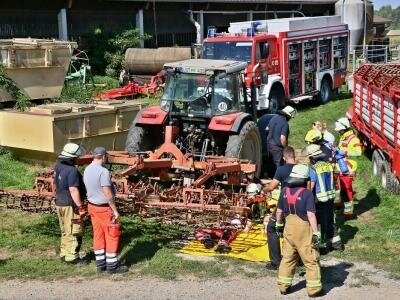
289 60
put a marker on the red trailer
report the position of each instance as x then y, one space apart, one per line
375 113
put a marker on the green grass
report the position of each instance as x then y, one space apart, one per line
75 92
375 235
308 114
29 242
15 174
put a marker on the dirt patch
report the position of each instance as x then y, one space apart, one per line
5 254
366 217
341 280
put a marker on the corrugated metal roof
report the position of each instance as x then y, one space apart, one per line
243 1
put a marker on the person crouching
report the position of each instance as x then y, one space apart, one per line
300 232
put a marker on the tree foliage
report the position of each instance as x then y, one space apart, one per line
106 50
390 13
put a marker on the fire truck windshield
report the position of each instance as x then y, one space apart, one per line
240 51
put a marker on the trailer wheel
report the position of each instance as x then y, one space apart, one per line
376 164
246 145
325 92
388 180
141 139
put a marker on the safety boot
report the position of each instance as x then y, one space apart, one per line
77 262
118 269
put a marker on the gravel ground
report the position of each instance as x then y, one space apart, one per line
341 281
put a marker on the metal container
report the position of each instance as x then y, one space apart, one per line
41 133
37 67
142 61
353 13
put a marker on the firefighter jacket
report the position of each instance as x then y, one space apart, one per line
350 143
321 174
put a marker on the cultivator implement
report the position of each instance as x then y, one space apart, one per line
161 186
134 89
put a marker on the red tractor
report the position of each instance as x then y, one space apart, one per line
204 111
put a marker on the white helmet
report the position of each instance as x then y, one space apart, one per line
252 188
236 222
300 171
289 111
342 124
311 150
72 150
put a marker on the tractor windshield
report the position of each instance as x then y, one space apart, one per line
201 95
239 51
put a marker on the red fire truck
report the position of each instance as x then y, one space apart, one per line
289 60
375 113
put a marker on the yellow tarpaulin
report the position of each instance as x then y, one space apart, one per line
249 245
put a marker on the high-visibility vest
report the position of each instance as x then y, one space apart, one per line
351 165
350 143
325 187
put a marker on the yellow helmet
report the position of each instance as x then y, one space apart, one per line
313 136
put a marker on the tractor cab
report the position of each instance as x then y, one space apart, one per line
203 88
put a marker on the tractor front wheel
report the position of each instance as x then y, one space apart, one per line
246 145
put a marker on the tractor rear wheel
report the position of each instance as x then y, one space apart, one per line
246 144
142 138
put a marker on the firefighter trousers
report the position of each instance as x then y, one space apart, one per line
274 246
297 242
105 241
325 219
70 244
275 154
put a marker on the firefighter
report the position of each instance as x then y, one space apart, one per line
70 193
323 187
314 136
277 138
103 213
281 174
351 145
300 232
348 141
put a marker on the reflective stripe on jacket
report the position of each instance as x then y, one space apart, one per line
325 187
350 143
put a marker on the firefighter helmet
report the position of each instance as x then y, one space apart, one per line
300 171
313 136
252 188
342 124
289 111
311 150
72 150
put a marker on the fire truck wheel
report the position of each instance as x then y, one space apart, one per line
275 100
246 145
388 180
376 163
138 139
325 92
